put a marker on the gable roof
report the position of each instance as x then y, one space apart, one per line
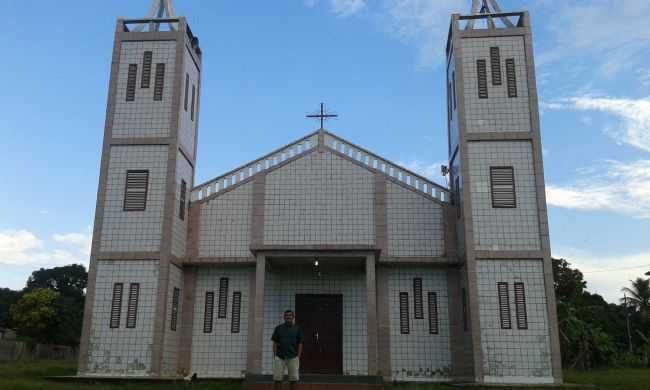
307 144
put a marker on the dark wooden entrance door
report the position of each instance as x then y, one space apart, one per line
321 319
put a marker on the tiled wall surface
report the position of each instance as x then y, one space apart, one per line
134 230
415 225
499 228
452 125
122 351
221 353
419 355
514 355
319 199
179 227
172 337
144 117
498 112
187 127
281 287
225 224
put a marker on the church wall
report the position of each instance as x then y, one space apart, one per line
514 355
179 227
419 355
320 198
224 228
172 337
415 223
187 127
280 294
144 117
220 353
501 228
134 230
123 351
497 113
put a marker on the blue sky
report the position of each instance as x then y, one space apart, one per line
377 63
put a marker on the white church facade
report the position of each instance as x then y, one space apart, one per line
389 273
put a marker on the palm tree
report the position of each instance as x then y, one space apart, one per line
639 296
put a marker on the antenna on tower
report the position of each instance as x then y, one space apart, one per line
160 9
487 7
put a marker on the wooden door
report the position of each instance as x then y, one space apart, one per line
321 319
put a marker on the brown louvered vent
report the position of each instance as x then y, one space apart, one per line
520 306
511 77
449 112
495 65
187 90
181 205
463 300
433 312
175 299
504 305
208 312
481 75
453 88
146 69
116 305
223 298
135 190
456 195
193 102
404 313
132 307
159 83
236 312
418 306
130 82
502 187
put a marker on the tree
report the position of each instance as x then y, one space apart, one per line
7 298
639 297
36 314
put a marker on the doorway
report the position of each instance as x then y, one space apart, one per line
321 318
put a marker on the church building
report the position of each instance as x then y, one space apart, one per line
390 275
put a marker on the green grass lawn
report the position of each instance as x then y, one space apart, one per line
29 376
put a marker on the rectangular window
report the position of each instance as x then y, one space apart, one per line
223 298
146 69
135 190
481 75
520 306
502 187
116 305
174 315
433 313
511 78
418 309
504 305
404 313
495 65
181 205
130 82
159 83
236 312
193 101
187 89
208 312
132 308
463 301
453 87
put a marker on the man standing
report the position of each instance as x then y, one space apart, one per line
287 349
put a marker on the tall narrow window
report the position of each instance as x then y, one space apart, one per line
502 187
159 83
511 77
130 82
223 298
208 312
520 306
187 89
132 308
504 305
181 205
457 197
433 312
116 305
404 313
495 65
135 190
193 102
481 76
449 112
236 312
146 69
463 302
175 301
418 309
453 88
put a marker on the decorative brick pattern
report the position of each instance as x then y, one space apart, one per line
172 337
185 172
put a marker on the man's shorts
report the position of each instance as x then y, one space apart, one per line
291 365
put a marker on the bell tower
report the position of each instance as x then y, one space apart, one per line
133 307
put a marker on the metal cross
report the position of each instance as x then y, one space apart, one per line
322 115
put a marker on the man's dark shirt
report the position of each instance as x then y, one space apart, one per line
287 337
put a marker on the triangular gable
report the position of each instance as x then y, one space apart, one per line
308 144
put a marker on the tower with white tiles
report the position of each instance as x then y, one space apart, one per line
135 288
496 171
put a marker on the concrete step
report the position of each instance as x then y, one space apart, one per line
319 382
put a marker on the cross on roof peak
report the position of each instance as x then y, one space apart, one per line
322 115
485 7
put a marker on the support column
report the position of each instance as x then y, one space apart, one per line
256 331
371 292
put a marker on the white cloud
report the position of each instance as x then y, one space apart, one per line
21 247
341 7
644 76
617 187
429 171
